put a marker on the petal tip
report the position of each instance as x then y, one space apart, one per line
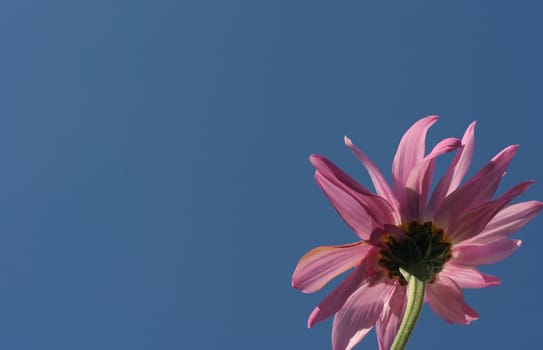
316 160
312 317
347 141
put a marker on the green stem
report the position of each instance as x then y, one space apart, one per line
415 300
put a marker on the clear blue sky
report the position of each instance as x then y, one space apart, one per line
155 189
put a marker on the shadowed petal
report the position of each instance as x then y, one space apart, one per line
381 186
468 276
378 236
478 190
419 181
320 265
508 221
335 300
475 220
485 253
388 324
358 315
410 152
456 172
447 301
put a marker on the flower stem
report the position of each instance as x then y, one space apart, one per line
415 300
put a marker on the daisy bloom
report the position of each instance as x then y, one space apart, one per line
406 232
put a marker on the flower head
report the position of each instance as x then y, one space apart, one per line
440 237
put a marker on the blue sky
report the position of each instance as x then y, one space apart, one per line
155 189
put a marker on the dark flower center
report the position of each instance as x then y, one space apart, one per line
423 252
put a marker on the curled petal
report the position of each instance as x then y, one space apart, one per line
335 300
483 254
388 324
468 276
457 170
447 301
359 313
508 221
478 190
410 152
320 265
381 186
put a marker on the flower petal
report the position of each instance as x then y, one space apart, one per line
348 207
508 221
381 186
410 152
358 315
456 172
478 190
475 220
419 181
320 265
468 276
335 300
483 254
361 209
447 301
388 324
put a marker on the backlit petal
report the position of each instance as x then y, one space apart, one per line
475 220
447 301
339 186
335 300
388 324
485 253
351 210
419 181
358 315
468 276
381 186
477 191
508 221
320 265
410 152
456 172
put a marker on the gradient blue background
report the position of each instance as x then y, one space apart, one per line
155 189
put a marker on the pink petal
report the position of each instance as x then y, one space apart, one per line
468 276
478 190
457 170
485 253
508 221
410 152
419 181
462 166
350 209
320 265
358 315
360 208
379 182
447 301
335 300
475 220
388 324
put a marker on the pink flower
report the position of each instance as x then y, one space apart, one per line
441 237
